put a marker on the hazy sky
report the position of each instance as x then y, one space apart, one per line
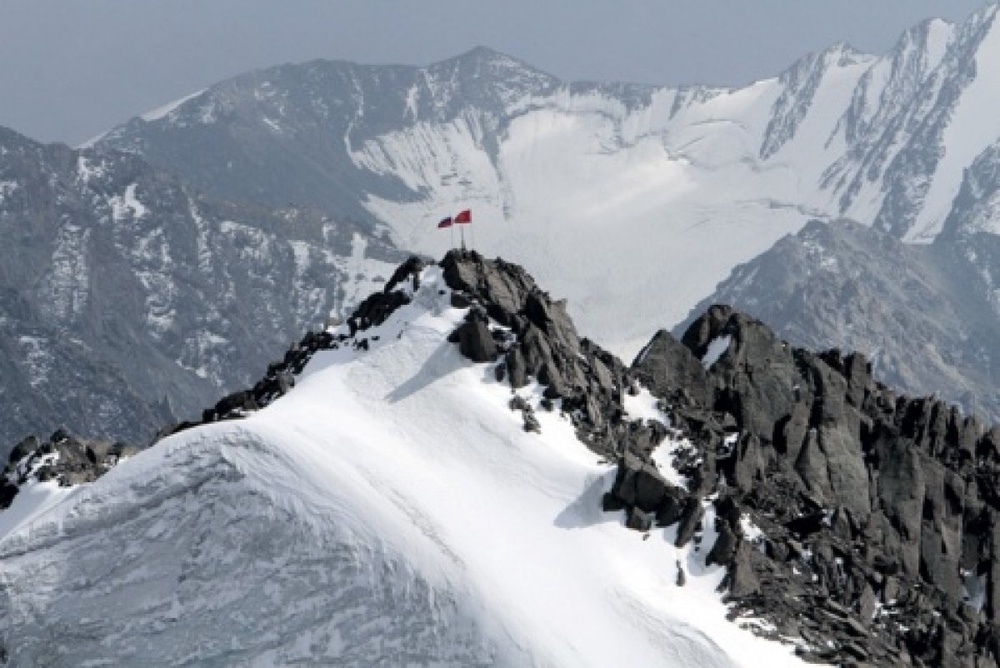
70 69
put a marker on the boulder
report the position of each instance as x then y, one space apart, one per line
410 269
475 341
670 370
742 579
690 521
725 547
517 374
639 484
638 520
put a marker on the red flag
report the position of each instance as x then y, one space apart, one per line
445 222
464 217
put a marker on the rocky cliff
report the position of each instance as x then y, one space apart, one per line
859 519
858 522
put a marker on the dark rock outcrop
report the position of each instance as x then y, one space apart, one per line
534 338
878 512
475 340
640 485
671 371
62 457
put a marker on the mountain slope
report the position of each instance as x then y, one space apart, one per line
666 188
390 509
445 484
121 283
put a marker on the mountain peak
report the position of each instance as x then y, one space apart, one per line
490 77
482 52
395 485
428 439
486 56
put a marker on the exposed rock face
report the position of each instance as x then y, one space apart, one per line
540 343
879 512
62 457
927 316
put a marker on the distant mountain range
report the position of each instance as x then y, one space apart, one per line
634 202
128 300
595 186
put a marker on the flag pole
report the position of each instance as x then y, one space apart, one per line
464 218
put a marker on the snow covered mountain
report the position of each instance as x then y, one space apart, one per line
123 290
661 189
444 485
453 476
389 510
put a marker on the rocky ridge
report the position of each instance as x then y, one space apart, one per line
874 514
856 523
927 316
509 321
202 524
859 523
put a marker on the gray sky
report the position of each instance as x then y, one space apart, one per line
70 69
